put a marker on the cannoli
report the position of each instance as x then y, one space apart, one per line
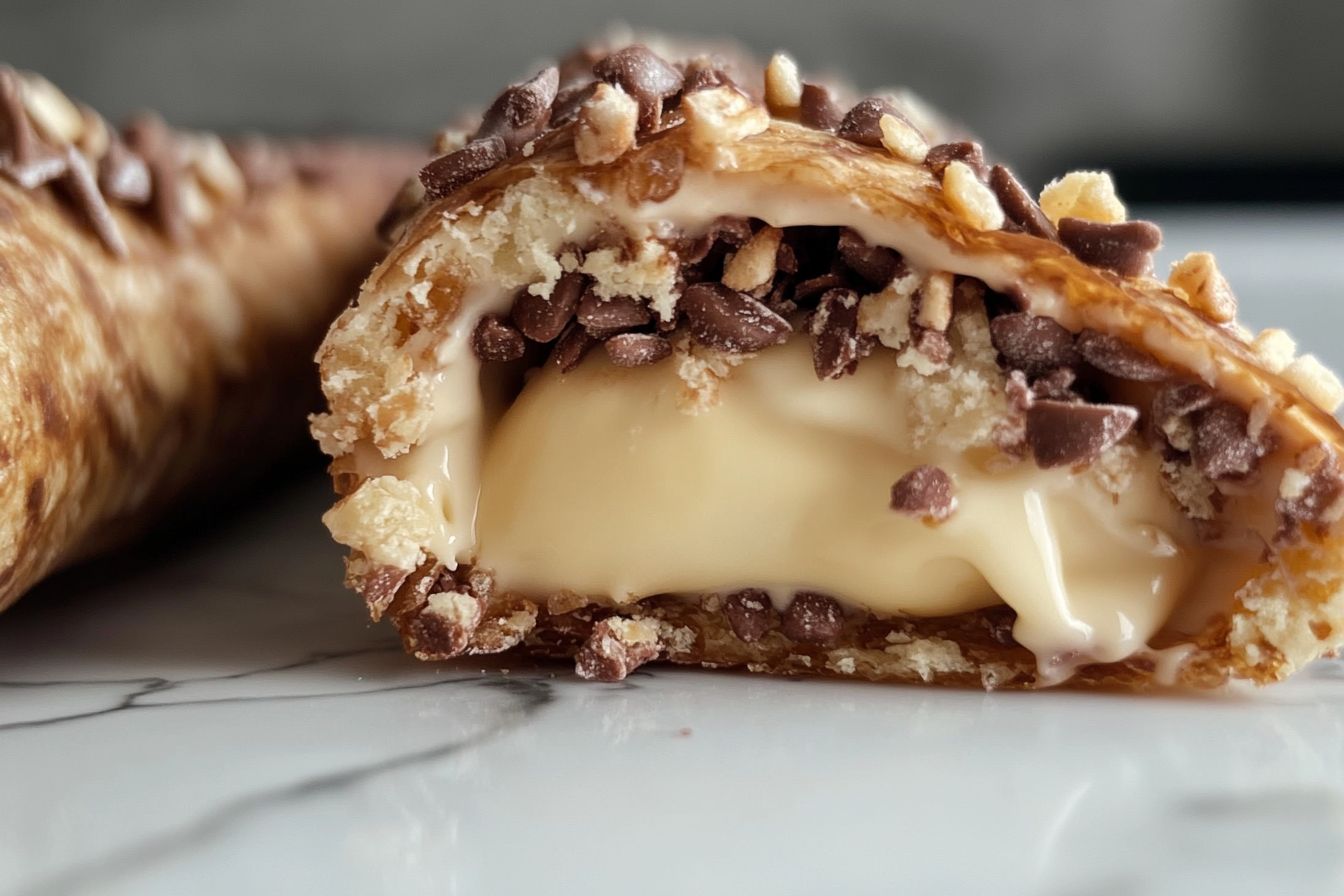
676 359
161 294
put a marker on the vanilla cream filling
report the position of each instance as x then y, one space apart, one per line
594 481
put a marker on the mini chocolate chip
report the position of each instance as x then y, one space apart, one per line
122 175
522 112
1322 486
1172 404
732 231
926 492
495 340
1018 206
457 169
1067 434
607 317
570 348
877 265
861 123
817 108
657 173
945 154
1126 248
644 75
702 74
1110 354
836 348
637 349
750 614
1221 445
731 321
813 618
81 184
543 318
1034 345
815 286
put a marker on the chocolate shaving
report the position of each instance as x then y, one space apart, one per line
496 340
836 346
1018 206
877 265
750 614
1118 358
815 286
1221 445
703 74
80 183
1069 434
637 349
149 137
543 318
945 154
732 231
457 169
1126 248
861 124
522 112
607 317
124 176
813 618
570 348
730 321
1034 345
926 492
644 75
817 108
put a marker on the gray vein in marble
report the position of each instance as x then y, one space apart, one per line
530 698
157 685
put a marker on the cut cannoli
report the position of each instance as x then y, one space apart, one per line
673 361
161 294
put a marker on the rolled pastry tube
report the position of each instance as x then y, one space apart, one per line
682 360
161 294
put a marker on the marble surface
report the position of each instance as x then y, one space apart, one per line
223 719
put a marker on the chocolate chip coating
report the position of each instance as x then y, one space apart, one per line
817 109
637 349
1018 206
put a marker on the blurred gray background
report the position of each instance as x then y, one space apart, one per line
1186 99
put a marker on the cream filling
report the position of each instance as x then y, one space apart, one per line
596 482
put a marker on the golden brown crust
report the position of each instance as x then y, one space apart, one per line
1288 611
123 379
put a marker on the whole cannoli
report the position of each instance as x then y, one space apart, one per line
676 359
161 293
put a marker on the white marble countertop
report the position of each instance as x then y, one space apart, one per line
223 719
